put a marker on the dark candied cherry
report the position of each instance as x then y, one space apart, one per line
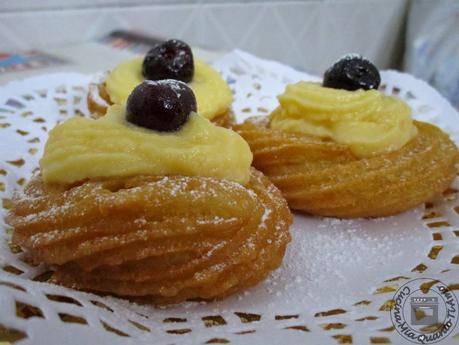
172 59
352 72
162 105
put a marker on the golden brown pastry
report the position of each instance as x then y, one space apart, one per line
151 203
324 178
155 238
347 151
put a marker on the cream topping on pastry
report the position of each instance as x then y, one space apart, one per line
368 121
213 95
84 148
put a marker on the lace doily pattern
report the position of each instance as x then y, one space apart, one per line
338 278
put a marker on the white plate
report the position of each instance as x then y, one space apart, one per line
331 265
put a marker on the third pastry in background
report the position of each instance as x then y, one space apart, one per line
172 59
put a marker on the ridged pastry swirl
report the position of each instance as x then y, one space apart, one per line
154 238
324 178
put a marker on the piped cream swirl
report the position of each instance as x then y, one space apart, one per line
213 95
84 148
368 121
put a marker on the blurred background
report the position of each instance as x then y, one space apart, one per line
418 36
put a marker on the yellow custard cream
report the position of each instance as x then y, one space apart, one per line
82 148
213 95
368 121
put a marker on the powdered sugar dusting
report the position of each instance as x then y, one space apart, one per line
335 255
179 87
264 218
350 56
326 265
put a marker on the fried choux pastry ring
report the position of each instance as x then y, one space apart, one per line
155 239
162 208
329 180
349 153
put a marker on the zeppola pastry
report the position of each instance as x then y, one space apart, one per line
172 59
151 202
345 149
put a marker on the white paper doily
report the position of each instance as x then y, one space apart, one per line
338 277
